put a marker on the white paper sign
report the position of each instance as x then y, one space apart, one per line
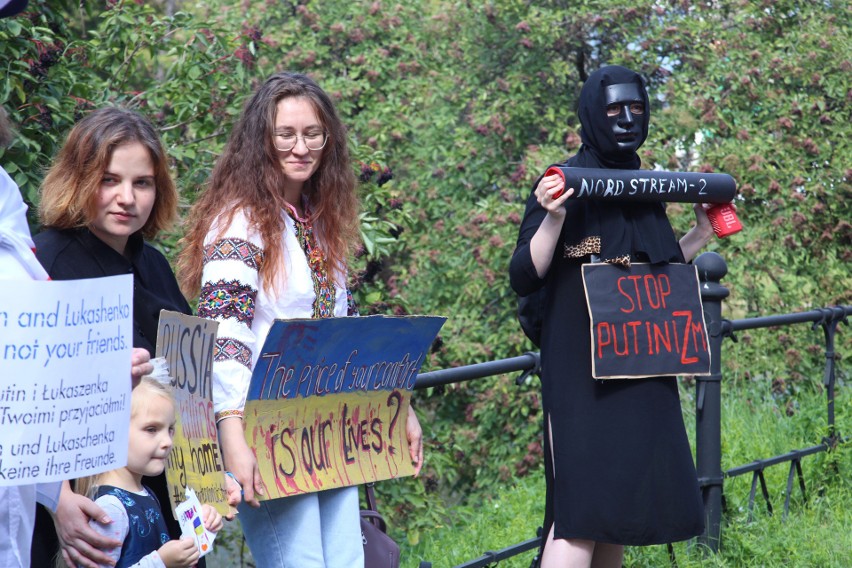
192 523
65 350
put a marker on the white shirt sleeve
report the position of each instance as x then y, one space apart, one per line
229 290
48 494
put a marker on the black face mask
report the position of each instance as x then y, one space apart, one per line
614 140
625 106
633 230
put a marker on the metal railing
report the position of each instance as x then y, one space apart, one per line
708 429
708 423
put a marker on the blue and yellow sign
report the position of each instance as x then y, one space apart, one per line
328 401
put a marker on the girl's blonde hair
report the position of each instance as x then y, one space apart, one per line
88 485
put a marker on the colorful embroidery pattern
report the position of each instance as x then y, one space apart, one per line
351 306
223 299
323 288
227 414
235 249
229 349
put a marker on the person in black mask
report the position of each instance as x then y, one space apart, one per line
618 465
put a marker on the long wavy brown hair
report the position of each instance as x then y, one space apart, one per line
69 192
248 177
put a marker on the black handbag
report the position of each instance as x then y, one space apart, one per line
380 550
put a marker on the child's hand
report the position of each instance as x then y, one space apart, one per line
211 518
181 553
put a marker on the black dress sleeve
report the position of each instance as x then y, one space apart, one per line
51 249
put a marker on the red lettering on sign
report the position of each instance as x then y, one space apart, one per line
658 337
683 358
646 321
636 278
625 294
601 343
698 329
661 337
656 288
625 351
655 294
633 325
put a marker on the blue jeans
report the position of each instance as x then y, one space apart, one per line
314 530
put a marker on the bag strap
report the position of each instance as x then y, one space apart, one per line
375 519
371 496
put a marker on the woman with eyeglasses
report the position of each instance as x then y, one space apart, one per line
269 239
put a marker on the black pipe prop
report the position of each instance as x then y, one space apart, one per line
646 185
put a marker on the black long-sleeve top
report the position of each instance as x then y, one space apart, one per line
76 253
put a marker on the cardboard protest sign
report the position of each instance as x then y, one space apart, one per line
195 461
65 385
328 401
646 321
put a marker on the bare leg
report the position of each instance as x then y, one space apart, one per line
562 553
608 555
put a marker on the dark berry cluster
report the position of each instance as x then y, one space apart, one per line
384 177
252 33
368 170
371 169
44 117
48 56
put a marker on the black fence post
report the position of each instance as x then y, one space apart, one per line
708 400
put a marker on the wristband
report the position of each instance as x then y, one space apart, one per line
237 481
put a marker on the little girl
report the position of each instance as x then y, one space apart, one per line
137 518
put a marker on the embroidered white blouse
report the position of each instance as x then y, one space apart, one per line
233 294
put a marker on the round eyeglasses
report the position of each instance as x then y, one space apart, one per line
312 140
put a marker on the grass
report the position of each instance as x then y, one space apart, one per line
756 425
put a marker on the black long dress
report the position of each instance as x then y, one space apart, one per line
77 253
621 470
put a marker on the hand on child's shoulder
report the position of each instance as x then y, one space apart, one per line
180 553
212 518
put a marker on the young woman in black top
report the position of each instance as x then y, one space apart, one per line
108 190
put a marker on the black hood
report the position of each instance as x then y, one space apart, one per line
599 144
